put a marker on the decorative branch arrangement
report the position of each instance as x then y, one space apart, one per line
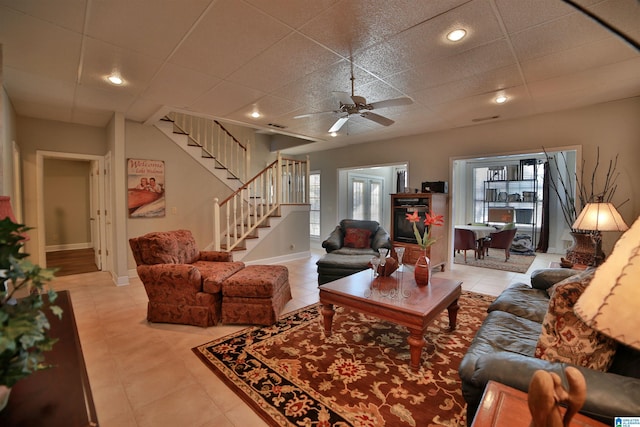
585 192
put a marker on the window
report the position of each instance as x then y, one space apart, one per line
314 200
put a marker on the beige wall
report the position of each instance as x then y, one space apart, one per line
66 204
613 126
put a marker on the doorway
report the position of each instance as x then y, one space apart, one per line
70 206
363 193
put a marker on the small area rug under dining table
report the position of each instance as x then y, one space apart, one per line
495 261
291 374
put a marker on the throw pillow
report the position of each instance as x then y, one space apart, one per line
582 277
566 338
357 238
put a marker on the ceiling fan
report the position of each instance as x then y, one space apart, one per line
353 104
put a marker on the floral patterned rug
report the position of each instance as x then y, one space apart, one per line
293 375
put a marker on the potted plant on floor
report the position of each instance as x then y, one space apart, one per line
24 327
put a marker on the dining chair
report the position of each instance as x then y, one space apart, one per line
464 240
502 240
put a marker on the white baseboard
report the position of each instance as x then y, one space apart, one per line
280 259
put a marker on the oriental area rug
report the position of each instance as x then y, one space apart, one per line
291 374
495 261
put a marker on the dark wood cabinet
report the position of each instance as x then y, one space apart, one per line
59 396
402 230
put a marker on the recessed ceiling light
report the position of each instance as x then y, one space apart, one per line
501 99
115 79
456 35
255 114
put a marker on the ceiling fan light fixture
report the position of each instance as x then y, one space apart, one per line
255 115
334 134
501 99
456 35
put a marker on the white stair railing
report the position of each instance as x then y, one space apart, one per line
216 142
285 181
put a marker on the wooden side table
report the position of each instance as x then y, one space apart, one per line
504 406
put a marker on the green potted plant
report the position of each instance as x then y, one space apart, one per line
23 325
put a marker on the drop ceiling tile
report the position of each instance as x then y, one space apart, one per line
39 47
427 43
119 22
289 59
519 15
103 99
594 85
101 59
220 44
575 60
294 13
226 98
489 83
43 110
270 107
557 36
352 25
37 88
624 15
178 87
68 14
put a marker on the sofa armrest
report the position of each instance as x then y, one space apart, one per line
547 277
608 395
381 239
335 240
216 256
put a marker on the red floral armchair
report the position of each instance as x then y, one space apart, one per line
183 283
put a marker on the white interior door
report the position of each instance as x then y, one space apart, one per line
95 216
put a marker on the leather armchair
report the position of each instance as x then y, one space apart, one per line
183 284
345 259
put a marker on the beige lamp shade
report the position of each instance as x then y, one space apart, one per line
611 302
600 217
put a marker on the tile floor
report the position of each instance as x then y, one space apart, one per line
144 374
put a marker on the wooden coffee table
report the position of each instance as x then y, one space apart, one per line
415 309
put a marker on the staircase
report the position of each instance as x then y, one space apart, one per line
255 202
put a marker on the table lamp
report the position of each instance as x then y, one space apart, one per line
611 302
5 208
598 217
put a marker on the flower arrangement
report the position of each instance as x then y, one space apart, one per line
430 220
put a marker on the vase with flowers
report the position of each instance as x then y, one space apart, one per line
422 271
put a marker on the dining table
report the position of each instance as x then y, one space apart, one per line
480 232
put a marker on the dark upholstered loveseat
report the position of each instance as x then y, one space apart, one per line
503 350
350 248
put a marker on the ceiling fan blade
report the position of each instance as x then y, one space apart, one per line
337 125
377 118
343 97
302 116
396 102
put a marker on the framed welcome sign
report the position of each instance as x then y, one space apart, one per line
146 188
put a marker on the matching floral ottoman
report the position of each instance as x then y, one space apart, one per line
255 295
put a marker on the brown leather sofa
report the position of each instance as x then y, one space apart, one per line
184 284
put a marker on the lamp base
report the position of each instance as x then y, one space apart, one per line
586 249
